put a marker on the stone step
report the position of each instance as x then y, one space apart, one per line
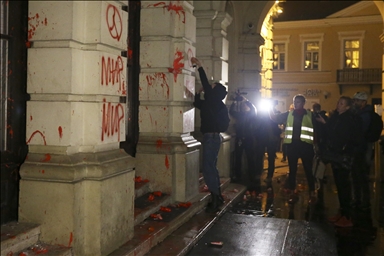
145 207
184 238
46 250
18 236
141 188
150 232
23 239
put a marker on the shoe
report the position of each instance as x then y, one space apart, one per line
335 218
344 222
217 201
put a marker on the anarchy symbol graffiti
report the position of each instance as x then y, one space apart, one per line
114 22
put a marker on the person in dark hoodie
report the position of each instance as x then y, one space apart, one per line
344 136
214 119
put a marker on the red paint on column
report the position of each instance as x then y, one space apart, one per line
177 64
166 162
60 132
159 143
34 133
70 239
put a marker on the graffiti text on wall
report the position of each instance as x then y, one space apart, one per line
178 64
112 73
113 114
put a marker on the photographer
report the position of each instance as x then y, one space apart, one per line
244 113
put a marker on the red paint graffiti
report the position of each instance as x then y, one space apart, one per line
114 22
156 79
112 116
112 72
177 64
37 132
60 132
177 8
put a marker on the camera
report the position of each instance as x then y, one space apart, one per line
238 96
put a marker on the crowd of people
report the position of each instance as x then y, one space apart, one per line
337 138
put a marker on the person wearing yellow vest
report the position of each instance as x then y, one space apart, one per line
299 136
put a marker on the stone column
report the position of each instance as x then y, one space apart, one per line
212 50
167 154
76 182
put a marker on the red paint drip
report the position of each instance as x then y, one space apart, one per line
60 132
70 239
10 131
166 162
30 118
42 171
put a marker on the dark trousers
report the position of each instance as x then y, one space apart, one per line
360 179
263 146
246 146
211 147
295 150
343 185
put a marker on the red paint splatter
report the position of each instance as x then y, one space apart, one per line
70 239
30 118
60 132
177 8
47 158
158 78
34 133
10 131
159 143
42 171
33 23
28 44
166 162
177 64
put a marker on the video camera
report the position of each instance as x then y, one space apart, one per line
238 95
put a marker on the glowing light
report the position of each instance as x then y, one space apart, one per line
264 105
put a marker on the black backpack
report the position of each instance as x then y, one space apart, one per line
375 128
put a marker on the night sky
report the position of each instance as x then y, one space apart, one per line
310 10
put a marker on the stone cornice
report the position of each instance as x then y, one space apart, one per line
329 22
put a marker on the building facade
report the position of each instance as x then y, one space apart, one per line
324 59
95 93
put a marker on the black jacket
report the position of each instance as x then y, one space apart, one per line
344 133
212 107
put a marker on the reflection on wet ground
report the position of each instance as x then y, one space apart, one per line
272 200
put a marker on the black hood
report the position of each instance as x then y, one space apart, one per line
219 92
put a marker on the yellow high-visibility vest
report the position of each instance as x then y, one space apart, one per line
306 134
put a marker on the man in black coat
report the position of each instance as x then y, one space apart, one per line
214 119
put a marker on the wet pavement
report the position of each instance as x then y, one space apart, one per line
266 222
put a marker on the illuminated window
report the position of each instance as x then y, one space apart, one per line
351 45
351 53
311 50
279 56
311 55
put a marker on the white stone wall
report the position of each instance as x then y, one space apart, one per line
76 182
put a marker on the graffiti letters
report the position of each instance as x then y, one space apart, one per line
112 72
112 117
114 22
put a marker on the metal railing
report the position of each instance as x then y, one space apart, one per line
356 75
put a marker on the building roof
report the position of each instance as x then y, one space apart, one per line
310 10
